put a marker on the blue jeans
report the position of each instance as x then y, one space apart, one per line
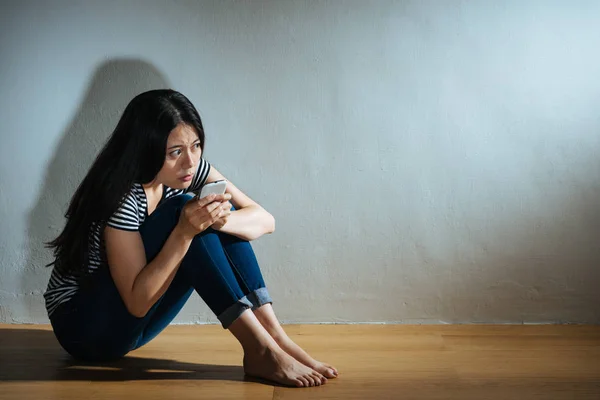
96 325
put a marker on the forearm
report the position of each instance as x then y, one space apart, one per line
249 223
154 279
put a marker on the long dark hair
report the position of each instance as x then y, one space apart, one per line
134 153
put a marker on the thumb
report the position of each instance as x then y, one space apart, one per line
206 200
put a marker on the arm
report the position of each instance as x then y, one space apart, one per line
141 284
249 221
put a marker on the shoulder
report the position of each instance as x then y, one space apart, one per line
127 215
200 176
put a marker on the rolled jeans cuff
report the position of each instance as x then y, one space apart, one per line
253 300
259 297
234 311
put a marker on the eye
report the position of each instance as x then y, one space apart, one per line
175 152
197 145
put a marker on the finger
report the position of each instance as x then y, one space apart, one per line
213 206
223 197
206 200
216 213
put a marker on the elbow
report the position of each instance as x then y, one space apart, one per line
267 227
137 301
137 312
270 224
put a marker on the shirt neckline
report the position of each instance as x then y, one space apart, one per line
162 197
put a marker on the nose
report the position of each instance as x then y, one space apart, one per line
188 161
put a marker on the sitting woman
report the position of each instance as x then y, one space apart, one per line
137 242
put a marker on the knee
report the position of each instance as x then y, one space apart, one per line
180 200
176 203
165 217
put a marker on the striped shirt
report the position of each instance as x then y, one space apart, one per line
130 216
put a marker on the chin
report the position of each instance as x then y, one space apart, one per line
180 185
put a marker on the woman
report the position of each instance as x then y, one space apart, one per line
137 243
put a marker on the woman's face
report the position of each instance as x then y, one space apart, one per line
182 158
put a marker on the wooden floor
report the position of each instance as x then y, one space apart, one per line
375 362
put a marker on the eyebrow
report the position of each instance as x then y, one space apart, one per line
180 145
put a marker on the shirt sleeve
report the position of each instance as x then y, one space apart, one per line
199 177
127 216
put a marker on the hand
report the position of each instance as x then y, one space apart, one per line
199 214
226 207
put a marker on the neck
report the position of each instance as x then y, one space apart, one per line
153 186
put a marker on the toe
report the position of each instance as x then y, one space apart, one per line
304 381
320 378
329 373
331 370
325 371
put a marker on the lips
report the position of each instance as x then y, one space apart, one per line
187 177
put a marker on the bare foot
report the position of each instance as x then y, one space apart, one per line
276 365
290 347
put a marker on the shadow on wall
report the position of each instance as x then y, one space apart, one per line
113 85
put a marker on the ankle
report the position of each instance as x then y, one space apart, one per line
261 349
280 337
250 333
276 333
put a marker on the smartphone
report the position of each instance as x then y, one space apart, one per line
217 187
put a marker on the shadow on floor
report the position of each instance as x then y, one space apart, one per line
35 355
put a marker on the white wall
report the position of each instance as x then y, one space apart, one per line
426 161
